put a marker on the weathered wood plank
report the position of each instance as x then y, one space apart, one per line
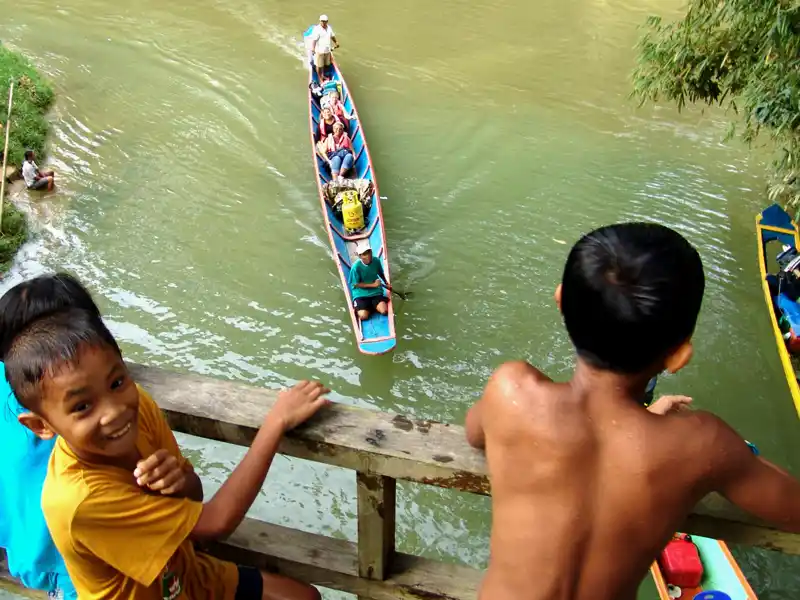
13 586
376 524
738 533
333 563
345 436
381 443
325 561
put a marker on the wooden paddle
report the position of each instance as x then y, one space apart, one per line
401 295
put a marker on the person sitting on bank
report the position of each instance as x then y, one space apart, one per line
367 281
123 505
326 122
582 475
323 40
34 178
340 152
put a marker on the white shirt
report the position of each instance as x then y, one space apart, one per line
323 38
29 172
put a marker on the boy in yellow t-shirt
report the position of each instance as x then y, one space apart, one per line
123 505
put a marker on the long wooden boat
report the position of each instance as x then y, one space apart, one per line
376 335
720 573
775 225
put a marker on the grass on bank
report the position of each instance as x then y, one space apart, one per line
33 97
15 233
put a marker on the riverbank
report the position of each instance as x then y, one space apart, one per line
33 97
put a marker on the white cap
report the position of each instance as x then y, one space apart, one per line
362 246
323 17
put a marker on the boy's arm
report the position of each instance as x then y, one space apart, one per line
161 471
756 485
668 404
164 472
223 513
193 489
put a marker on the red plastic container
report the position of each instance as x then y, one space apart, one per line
680 562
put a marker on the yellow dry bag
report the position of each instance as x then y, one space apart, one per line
352 211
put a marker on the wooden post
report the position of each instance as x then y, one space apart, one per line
5 156
376 512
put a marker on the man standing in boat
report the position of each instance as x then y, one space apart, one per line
367 281
323 40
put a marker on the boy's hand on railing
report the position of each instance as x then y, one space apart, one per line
298 404
668 404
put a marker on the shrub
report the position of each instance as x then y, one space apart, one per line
33 97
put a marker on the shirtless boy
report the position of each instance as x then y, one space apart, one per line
587 485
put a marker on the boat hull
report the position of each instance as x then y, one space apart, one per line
775 225
376 335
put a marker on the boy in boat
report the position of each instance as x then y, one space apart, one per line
366 282
123 505
587 485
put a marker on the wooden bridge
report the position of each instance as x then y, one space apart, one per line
380 448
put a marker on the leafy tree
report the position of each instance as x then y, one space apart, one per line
743 55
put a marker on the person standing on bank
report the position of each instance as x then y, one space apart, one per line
34 178
323 40
367 281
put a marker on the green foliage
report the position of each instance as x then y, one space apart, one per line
743 55
15 233
33 96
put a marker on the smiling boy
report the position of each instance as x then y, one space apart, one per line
123 505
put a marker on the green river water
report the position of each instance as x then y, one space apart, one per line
500 131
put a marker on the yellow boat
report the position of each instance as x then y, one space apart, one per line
775 225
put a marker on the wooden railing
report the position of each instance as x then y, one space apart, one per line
381 448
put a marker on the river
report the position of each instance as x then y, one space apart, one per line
500 132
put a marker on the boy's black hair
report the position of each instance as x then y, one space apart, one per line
28 154
630 294
38 297
47 344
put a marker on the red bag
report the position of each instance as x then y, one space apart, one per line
680 562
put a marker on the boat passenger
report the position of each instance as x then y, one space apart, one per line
333 102
340 151
32 555
122 503
323 40
587 486
366 282
34 178
326 122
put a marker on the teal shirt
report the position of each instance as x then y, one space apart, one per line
361 273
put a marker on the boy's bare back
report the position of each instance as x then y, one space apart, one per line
588 486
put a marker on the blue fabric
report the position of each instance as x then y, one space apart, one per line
790 310
32 555
341 161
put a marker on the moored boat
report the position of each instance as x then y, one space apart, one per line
721 573
375 335
778 259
